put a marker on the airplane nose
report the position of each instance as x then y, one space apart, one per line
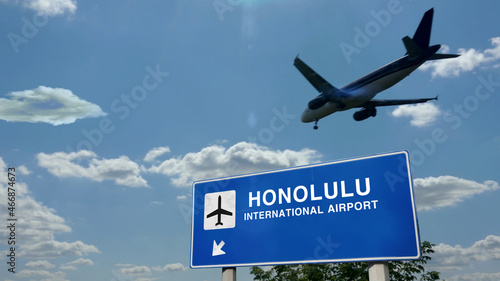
306 116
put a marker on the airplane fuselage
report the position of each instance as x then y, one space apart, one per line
367 87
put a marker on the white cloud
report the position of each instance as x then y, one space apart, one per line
42 221
217 161
67 267
23 170
135 270
36 225
51 7
468 61
81 261
39 223
444 191
29 273
72 265
125 265
41 264
55 106
422 114
170 267
448 257
156 152
57 276
52 249
122 170
476 277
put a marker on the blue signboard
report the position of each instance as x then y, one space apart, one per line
352 210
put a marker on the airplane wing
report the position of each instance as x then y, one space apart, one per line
224 212
375 103
219 211
314 78
212 214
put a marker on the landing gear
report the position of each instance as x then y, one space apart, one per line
315 125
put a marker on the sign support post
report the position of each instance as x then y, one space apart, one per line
378 271
229 274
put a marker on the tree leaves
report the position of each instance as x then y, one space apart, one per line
357 271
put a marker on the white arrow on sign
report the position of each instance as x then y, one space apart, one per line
217 250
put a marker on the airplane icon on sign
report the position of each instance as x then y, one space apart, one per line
219 212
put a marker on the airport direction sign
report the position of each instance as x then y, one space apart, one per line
352 210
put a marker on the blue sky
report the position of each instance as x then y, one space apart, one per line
110 110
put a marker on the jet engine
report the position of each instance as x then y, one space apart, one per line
365 113
318 102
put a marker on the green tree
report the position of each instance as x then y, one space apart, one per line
356 271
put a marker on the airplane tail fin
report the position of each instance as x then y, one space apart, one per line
423 34
412 48
421 39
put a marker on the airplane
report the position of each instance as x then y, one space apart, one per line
360 93
219 212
